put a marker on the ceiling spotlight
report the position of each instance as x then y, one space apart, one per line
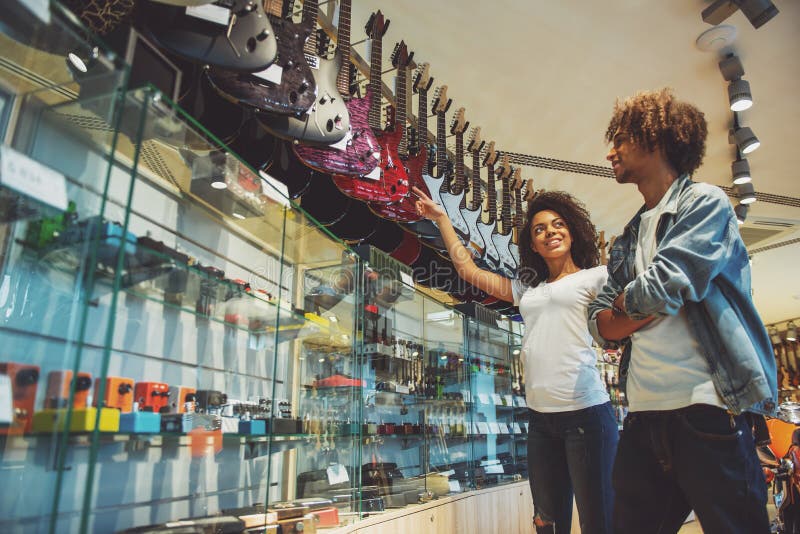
745 193
758 12
774 336
739 95
744 138
740 170
791 332
741 213
79 61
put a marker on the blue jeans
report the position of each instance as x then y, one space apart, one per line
572 451
697 458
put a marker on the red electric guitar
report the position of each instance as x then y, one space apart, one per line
388 182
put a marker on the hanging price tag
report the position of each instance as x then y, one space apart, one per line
337 474
31 178
210 12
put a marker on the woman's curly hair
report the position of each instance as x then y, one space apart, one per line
653 119
584 251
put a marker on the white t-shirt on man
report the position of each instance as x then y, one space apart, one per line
560 364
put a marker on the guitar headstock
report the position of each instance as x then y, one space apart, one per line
505 167
376 25
529 192
475 143
491 155
440 101
422 77
517 179
458 125
400 56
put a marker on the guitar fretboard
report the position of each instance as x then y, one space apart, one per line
505 210
343 43
375 64
422 119
476 181
490 190
441 147
310 11
401 99
460 177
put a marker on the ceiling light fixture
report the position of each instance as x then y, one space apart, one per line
791 332
740 170
758 12
739 95
745 193
742 136
741 213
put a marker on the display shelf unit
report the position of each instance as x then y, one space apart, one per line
183 342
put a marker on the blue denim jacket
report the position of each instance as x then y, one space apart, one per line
701 264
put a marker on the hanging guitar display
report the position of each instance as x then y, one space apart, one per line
491 256
476 244
471 211
231 34
357 151
439 186
502 236
388 182
287 86
517 220
326 120
403 210
418 163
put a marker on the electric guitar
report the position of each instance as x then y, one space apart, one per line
389 181
439 186
231 34
502 236
405 209
358 151
327 120
476 245
491 257
287 86
518 220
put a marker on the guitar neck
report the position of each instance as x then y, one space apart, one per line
505 210
476 181
402 102
461 182
343 43
422 119
375 65
490 187
441 147
310 13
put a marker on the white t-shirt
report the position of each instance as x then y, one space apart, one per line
667 369
560 364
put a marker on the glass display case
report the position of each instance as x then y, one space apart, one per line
185 347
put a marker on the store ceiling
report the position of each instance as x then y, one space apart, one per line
541 77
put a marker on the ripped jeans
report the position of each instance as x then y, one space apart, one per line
572 452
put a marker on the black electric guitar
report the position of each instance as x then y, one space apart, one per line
502 235
327 120
231 34
476 245
286 87
518 219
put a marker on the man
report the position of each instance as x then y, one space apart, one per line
703 358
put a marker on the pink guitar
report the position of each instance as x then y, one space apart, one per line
358 152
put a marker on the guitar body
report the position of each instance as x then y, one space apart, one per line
391 184
405 211
387 236
491 257
323 201
285 167
408 250
514 252
293 95
358 223
508 266
450 204
327 119
358 152
252 46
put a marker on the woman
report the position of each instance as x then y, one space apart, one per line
573 433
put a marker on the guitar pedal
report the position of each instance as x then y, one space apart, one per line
58 386
152 396
210 401
24 379
118 394
183 399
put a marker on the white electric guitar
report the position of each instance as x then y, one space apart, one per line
476 245
491 258
502 235
439 186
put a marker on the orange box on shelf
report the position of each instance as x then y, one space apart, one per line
24 380
183 399
58 385
152 396
118 393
